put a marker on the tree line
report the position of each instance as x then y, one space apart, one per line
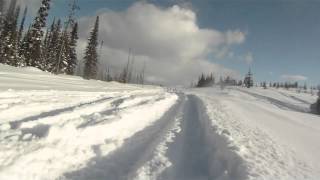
53 48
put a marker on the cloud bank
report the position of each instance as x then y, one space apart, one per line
174 48
294 77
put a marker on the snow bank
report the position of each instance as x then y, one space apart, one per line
51 125
276 143
29 78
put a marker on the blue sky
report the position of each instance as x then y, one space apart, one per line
283 36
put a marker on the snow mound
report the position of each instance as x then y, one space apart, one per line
32 69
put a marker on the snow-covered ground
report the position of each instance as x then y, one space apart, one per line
275 140
64 127
50 125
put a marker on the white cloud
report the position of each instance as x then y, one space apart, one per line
294 77
169 40
235 37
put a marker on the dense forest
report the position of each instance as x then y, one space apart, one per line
53 47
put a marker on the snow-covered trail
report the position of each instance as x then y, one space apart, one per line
180 145
124 163
64 127
275 140
199 152
63 137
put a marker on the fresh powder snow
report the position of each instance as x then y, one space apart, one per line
65 127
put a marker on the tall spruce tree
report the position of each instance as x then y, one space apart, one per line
91 55
64 57
24 45
21 28
2 14
9 36
318 103
72 50
36 34
54 46
63 54
7 32
12 48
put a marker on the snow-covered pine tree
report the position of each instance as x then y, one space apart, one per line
264 85
22 23
108 75
13 47
64 55
36 34
91 55
23 53
7 32
124 76
318 103
64 58
9 36
20 58
315 108
45 48
2 14
248 81
72 50
54 45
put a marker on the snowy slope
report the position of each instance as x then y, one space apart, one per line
29 78
276 141
50 125
285 99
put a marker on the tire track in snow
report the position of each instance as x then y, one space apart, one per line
16 124
278 103
198 152
123 163
80 145
295 98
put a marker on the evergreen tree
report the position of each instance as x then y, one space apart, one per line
48 48
7 33
91 55
72 50
24 45
109 77
2 14
318 103
36 34
264 85
316 106
64 61
9 36
13 46
248 81
53 46
22 23
45 47
305 87
64 54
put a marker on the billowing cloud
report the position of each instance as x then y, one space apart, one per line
294 77
168 40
